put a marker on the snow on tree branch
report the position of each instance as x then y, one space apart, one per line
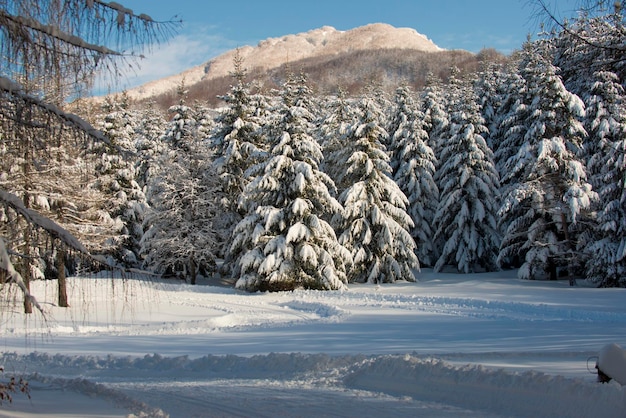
42 222
72 120
14 276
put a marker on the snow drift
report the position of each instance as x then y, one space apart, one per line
612 362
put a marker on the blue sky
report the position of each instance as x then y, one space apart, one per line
213 27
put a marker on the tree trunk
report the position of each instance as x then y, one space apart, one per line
28 304
61 279
192 269
570 276
25 265
26 275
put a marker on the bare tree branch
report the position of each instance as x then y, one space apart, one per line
544 9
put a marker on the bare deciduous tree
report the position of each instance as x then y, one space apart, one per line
51 50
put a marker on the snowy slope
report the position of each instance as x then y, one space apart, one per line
447 346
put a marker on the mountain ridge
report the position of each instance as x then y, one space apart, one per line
273 53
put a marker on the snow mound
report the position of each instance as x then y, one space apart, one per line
407 380
612 362
496 391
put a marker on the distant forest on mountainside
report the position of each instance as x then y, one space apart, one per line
350 71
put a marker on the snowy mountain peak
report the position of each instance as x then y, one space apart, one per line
275 52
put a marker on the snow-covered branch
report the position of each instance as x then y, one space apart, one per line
14 276
70 119
42 222
567 29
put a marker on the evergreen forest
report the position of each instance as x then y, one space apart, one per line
519 165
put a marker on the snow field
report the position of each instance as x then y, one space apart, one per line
446 346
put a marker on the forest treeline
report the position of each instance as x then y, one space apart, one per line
519 164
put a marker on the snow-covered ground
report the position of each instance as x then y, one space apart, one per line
484 345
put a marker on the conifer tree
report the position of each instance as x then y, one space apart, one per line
493 87
415 171
117 178
606 147
552 190
465 220
284 242
180 237
434 105
509 130
238 144
338 115
148 144
375 224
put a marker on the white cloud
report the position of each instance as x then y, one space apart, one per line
180 53
475 41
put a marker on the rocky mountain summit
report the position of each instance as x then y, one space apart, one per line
331 57
275 52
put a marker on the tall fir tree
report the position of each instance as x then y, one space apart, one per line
414 171
284 242
180 237
338 114
493 87
552 188
238 144
606 148
117 177
508 130
375 224
434 105
465 221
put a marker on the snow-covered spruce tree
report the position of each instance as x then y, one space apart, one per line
415 171
465 221
284 242
508 129
507 132
606 147
493 88
338 115
180 238
237 141
375 225
552 189
434 105
117 179
150 128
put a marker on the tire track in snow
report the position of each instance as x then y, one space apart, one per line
478 308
